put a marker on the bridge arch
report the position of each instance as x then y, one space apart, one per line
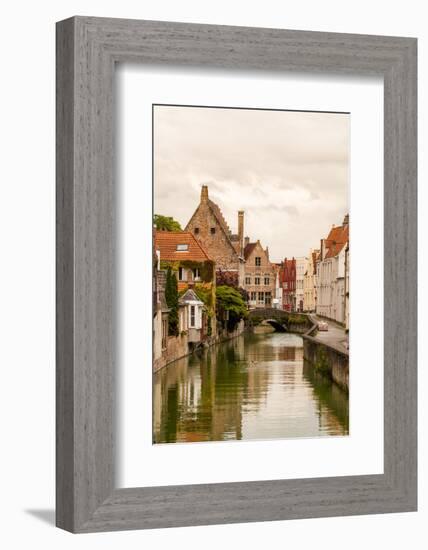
277 325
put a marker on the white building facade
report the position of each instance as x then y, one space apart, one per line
301 264
310 282
330 284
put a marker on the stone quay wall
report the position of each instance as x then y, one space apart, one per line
326 359
178 346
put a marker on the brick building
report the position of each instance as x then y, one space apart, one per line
288 283
211 230
260 275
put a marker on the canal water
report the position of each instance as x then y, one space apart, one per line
255 386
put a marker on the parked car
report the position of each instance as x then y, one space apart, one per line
322 325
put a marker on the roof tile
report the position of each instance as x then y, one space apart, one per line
166 242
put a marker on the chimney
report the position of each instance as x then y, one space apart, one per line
246 241
241 231
346 220
204 193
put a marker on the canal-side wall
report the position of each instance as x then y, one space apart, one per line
327 360
178 347
224 334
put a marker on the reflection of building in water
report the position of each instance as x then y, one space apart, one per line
329 422
251 387
208 397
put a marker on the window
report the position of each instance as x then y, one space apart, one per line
286 285
268 298
196 274
212 230
261 296
253 296
192 316
256 280
182 247
181 274
266 281
247 280
196 230
258 261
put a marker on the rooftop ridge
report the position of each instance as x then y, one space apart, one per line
220 217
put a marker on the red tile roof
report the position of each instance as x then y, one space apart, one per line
166 242
336 240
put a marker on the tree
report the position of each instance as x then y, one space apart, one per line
229 278
166 223
171 297
230 302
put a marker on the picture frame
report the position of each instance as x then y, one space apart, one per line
87 51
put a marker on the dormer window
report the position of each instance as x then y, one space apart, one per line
182 247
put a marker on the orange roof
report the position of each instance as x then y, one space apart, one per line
167 243
184 285
336 240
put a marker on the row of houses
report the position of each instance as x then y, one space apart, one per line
207 254
331 277
319 283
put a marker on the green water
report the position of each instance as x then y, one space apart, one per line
252 387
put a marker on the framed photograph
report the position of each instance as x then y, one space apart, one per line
236 274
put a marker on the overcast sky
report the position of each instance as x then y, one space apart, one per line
288 171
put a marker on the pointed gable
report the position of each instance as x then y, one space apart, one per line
248 250
190 296
210 228
336 240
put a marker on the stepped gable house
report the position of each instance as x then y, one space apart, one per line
260 275
211 230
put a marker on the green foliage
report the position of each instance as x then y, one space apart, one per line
297 319
166 223
205 294
230 303
256 320
206 268
171 297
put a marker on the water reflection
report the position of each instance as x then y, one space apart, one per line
252 387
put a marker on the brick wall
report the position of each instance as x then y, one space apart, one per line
215 243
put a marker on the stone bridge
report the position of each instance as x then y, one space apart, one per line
277 318
280 320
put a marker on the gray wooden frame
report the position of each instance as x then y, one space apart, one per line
87 50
